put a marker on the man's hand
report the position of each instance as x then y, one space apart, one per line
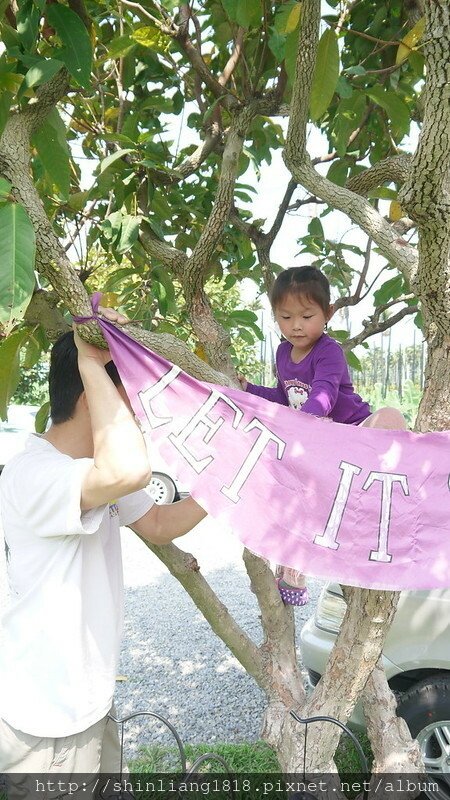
112 315
100 354
243 382
86 350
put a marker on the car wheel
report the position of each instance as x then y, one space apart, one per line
426 710
163 489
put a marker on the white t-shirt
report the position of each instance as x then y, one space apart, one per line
62 630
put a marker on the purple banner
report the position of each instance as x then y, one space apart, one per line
365 507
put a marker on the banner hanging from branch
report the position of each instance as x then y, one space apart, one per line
365 507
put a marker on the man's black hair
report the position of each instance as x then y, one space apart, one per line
64 380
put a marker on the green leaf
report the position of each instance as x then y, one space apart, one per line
326 74
290 57
353 361
42 72
246 336
348 115
390 290
338 172
129 233
417 61
343 88
109 160
77 50
383 193
77 200
55 156
150 36
283 14
396 109
161 275
315 228
5 105
5 188
18 253
117 137
42 417
231 7
32 352
243 316
341 335
27 21
277 44
10 368
418 320
249 13
118 47
294 18
111 226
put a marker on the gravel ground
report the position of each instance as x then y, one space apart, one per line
172 663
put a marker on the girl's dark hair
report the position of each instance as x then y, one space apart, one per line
64 380
307 281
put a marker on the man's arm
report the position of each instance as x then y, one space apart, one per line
162 524
120 463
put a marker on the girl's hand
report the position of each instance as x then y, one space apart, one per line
242 381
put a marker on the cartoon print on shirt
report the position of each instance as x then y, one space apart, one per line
297 393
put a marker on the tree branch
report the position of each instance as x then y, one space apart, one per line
351 138
396 250
373 325
394 169
184 567
195 58
281 213
379 701
170 256
426 192
198 262
342 302
234 58
278 623
42 310
47 96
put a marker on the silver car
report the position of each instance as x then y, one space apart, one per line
416 659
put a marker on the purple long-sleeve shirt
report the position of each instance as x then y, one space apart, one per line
320 384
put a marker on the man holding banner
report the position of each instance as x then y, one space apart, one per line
62 502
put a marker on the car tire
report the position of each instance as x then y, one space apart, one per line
163 489
426 710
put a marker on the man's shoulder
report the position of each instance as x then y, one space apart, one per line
36 456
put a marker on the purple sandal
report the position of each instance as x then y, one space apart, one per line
292 595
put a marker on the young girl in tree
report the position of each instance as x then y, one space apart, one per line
313 376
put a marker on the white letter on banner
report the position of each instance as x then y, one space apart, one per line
329 536
387 479
266 436
179 439
152 392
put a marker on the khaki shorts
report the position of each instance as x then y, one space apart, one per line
82 756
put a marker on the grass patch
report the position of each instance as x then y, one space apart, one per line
253 761
250 757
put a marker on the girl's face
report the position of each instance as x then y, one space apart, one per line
301 321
